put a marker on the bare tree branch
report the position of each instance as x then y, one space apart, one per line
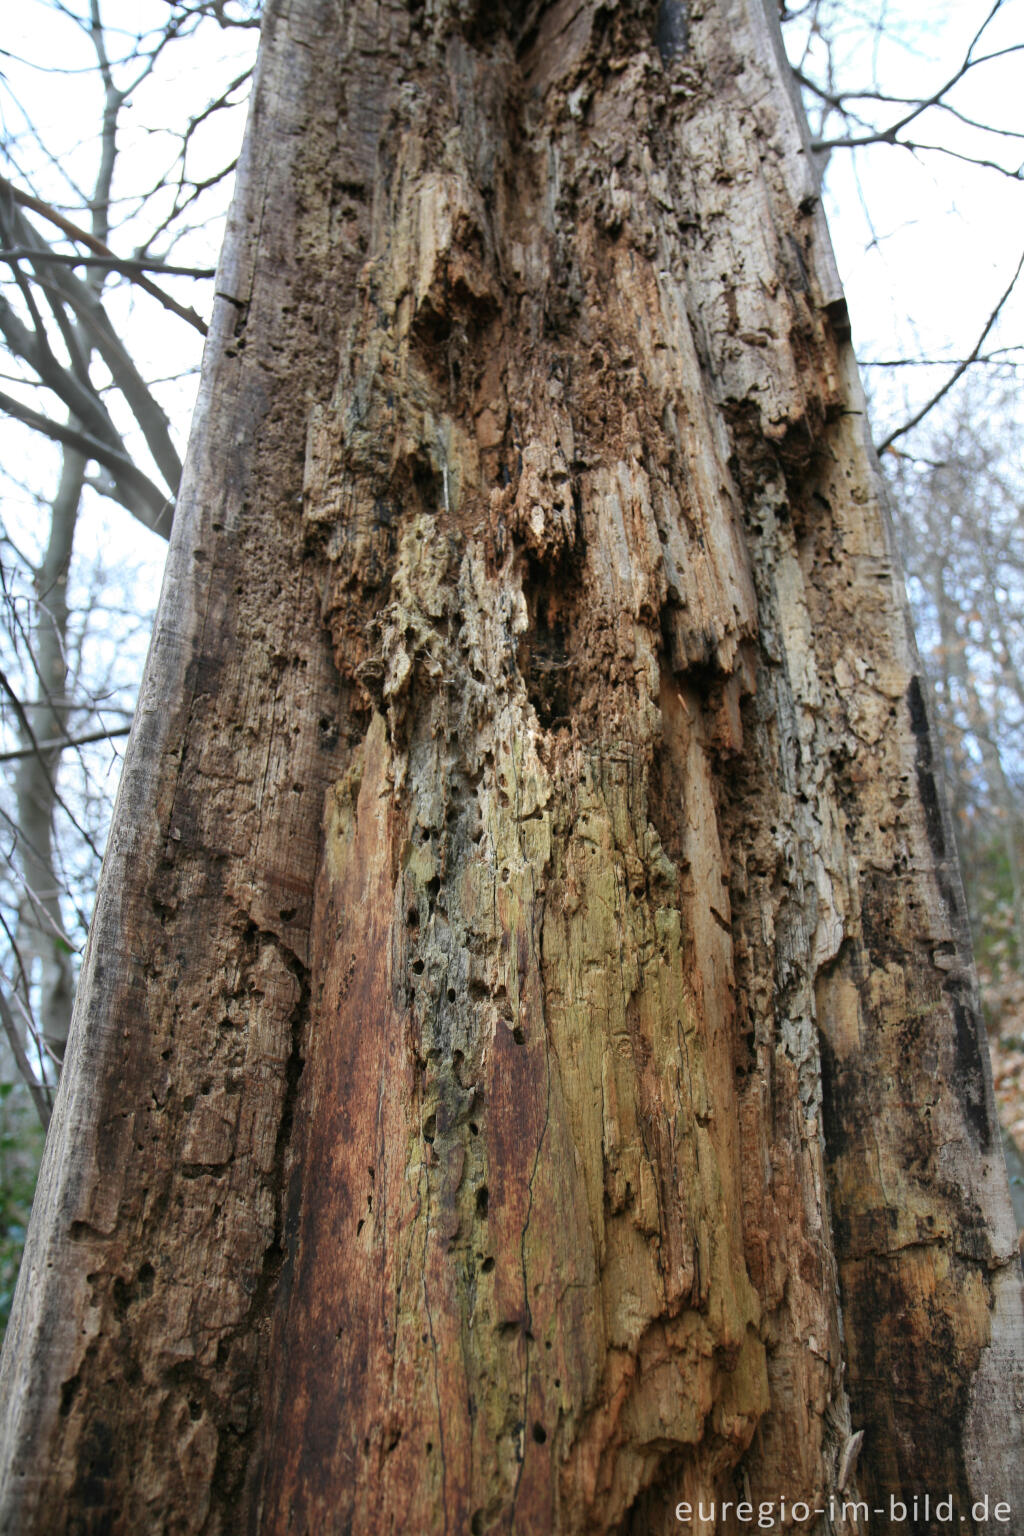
889 135
109 263
959 370
89 312
99 248
150 505
63 742
40 1095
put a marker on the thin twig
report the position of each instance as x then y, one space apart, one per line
63 742
113 263
26 726
959 370
75 232
40 1096
160 507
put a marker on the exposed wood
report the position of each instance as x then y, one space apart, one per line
527 1072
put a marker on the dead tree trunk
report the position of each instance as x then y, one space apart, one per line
527 1072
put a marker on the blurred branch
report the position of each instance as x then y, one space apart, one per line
150 505
111 263
998 357
99 248
63 742
218 10
40 1094
37 752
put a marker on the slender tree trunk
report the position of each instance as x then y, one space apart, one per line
40 920
947 699
978 724
527 1071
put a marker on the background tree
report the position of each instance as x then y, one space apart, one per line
511 930
959 497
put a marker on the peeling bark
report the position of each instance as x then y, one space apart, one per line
527 1072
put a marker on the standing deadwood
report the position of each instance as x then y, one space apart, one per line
59 334
527 1070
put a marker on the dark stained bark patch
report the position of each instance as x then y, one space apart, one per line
673 29
925 764
970 1081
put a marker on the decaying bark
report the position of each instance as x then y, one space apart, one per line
527 1072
